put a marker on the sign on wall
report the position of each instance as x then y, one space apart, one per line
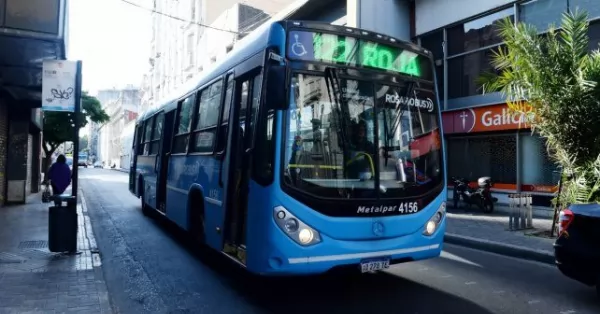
483 119
58 85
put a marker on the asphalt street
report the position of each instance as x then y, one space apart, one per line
150 268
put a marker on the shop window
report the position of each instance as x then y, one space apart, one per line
434 43
591 6
464 71
539 170
475 157
542 13
476 34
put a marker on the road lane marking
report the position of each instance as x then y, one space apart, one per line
568 312
470 283
534 301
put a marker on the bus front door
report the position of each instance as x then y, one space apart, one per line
240 137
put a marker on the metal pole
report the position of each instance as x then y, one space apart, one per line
76 112
529 211
557 206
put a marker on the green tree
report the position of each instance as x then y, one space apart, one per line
83 143
554 80
59 127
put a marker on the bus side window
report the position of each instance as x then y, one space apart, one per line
205 131
156 134
225 115
184 123
147 135
139 148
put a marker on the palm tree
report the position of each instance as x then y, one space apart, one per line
553 78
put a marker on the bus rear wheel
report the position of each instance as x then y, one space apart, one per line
197 224
145 208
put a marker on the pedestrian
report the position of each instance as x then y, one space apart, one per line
59 176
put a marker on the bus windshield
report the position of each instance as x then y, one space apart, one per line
372 133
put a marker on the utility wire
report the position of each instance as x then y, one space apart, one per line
180 19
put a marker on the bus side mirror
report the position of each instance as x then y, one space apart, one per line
276 87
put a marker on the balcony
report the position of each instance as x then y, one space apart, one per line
30 32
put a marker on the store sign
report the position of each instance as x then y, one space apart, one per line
483 119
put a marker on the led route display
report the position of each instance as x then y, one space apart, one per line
351 51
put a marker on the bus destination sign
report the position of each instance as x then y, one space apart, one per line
351 51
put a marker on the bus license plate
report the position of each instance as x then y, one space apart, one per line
368 266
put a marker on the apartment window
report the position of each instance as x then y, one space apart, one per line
193 11
594 33
470 50
434 43
463 72
542 13
477 34
591 6
207 120
184 122
190 50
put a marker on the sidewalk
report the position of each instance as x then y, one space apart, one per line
491 233
32 279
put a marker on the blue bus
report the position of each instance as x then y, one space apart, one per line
310 147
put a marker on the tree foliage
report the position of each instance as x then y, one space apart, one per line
554 80
59 127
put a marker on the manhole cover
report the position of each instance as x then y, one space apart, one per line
40 244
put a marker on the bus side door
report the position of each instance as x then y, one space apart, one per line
241 135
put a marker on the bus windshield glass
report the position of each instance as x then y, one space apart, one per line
350 51
342 146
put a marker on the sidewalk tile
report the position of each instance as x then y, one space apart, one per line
33 279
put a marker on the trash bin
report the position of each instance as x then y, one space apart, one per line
62 225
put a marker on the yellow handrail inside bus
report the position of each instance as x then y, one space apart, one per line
368 157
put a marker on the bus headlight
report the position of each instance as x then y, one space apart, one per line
297 230
434 222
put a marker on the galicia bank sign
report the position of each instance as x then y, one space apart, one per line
490 118
484 119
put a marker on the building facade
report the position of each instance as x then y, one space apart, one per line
30 32
462 36
122 107
179 47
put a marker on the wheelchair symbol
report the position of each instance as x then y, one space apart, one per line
298 47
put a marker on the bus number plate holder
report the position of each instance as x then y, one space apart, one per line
374 265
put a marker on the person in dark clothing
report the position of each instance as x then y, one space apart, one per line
59 175
361 146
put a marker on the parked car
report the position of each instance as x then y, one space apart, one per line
98 164
577 248
82 163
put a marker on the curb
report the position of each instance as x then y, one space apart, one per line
521 252
120 170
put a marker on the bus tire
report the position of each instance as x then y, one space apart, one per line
197 222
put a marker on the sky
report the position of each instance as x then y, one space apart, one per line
112 38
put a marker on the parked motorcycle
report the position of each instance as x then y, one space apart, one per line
481 197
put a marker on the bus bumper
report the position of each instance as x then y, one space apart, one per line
333 254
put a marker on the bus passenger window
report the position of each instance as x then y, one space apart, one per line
226 105
182 136
147 135
156 134
205 131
